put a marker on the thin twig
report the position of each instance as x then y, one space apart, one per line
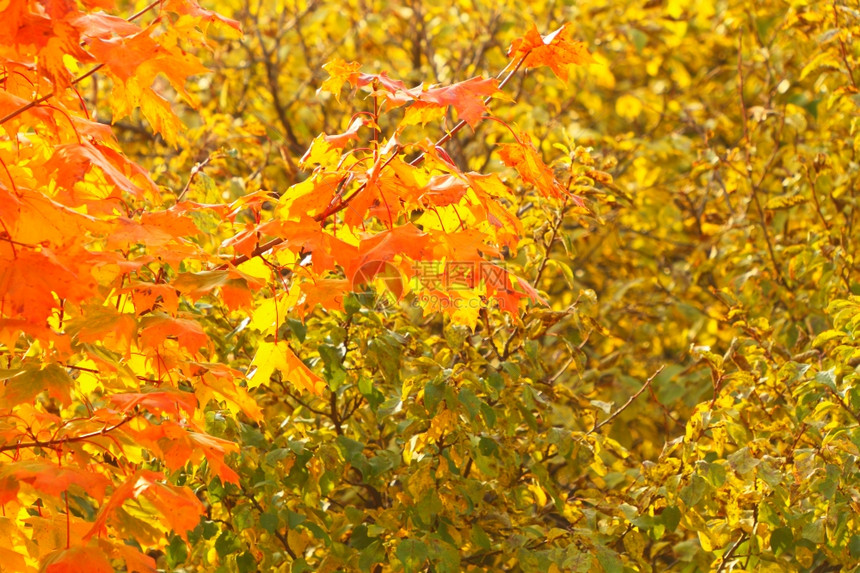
486 317
626 405
552 379
94 371
462 123
198 167
727 557
842 403
278 533
65 439
754 187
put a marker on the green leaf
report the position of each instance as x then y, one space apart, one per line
489 415
827 378
480 537
717 474
359 538
246 562
352 450
487 446
384 461
671 517
298 327
371 555
609 560
317 532
384 353
412 553
294 519
781 540
365 386
269 522
445 557
332 357
814 531
742 461
694 491
433 394
176 552
201 282
471 402
824 337
639 39
351 304
31 382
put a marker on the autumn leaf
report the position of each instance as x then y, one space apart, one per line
222 388
523 157
29 279
466 97
51 480
555 50
340 72
328 293
77 559
187 333
179 507
198 15
340 140
273 356
215 449
157 401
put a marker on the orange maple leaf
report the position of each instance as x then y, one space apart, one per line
466 97
523 157
47 478
555 50
77 559
187 333
179 506
161 401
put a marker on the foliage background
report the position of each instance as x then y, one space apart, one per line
715 145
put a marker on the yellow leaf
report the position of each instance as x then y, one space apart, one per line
266 361
256 268
442 423
422 114
634 544
784 202
278 356
340 72
628 106
705 541
540 495
826 336
272 311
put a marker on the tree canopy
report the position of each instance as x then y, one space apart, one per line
445 286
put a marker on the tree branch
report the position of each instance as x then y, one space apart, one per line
626 405
54 443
